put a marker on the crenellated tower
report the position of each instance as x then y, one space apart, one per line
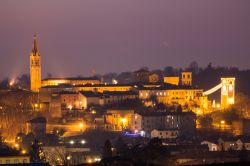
35 67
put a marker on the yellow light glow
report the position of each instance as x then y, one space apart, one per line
123 120
16 145
93 112
230 101
222 122
36 105
70 107
81 125
89 161
23 151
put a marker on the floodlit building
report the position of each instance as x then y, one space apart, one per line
173 80
186 78
71 81
177 95
119 119
14 159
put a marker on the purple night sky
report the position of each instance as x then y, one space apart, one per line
77 36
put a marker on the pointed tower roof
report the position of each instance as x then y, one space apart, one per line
35 49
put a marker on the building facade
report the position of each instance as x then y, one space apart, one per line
146 122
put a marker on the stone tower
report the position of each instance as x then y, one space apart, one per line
35 67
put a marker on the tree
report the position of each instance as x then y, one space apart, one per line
36 152
193 67
179 108
121 147
206 121
107 152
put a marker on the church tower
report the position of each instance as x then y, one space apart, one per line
35 67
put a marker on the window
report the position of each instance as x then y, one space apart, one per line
7 161
160 133
25 161
16 161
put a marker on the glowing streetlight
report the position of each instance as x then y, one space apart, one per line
222 122
83 141
23 151
16 145
71 142
68 157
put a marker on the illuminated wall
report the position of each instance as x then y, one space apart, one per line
186 78
76 81
172 80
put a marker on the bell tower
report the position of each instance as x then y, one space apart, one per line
35 67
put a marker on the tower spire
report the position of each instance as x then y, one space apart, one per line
35 47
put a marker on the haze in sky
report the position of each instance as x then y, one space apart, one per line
77 36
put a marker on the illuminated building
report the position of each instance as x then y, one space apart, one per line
119 119
176 95
71 81
186 78
14 159
102 87
172 80
35 67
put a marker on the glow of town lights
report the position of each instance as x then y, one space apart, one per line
23 151
81 125
17 145
68 157
71 142
83 142
70 107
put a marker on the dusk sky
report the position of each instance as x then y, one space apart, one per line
77 36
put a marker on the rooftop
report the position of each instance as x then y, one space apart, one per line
38 120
